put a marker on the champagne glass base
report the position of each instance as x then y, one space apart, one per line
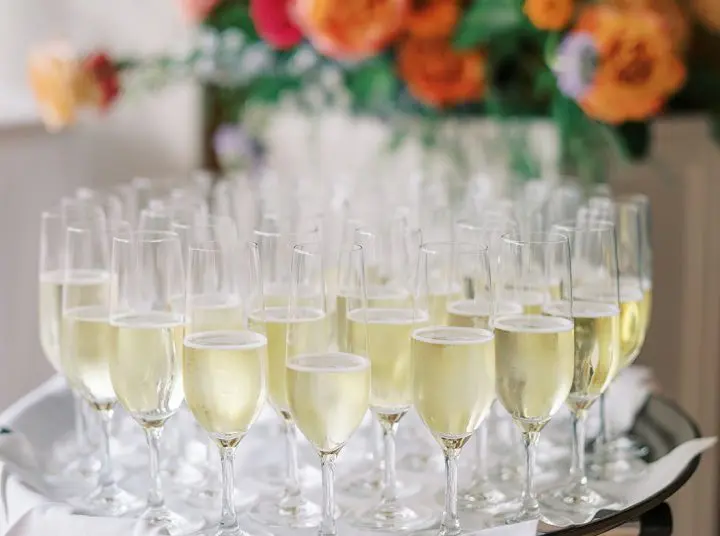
243 528
624 469
479 497
581 503
296 512
166 521
110 502
393 517
370 485
511 517
209 498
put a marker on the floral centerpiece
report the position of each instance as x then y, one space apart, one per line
601 71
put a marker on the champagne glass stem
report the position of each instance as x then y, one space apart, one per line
577 470
530 506
292 479
481 454
228 518
80 429
327 463
389 492
155 498
603 437
450 524
106 478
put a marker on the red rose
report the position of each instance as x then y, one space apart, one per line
102 69
273 23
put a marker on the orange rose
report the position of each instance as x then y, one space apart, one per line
708 13
638 68
433 18
438 75
677 21
549 14
64 84
351 29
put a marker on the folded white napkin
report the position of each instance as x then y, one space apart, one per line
59 520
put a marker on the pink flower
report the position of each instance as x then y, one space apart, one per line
197 10
273 23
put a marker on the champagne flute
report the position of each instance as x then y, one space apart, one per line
475 311
534 353
389 321
146 308
224 363
616 459
453 366
328 391
269 314
596 314
87 344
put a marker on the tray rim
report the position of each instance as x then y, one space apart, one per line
633 513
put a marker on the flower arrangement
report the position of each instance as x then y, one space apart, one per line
599 69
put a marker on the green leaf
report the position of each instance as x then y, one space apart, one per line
269 89
485 19
373 85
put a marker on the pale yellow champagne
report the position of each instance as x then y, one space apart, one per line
535 362
146 368
214 315
438 306
476 313
311 332
388 333
597 350
376 297
647 303
224 380
86 287
453 379
328 396
633 323
87 344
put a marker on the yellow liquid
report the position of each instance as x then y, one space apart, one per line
88 341
438 307
224 380
597 351
647 305
632 328
146 368
535 362
453 379
328 395
310 332
475 313
377 297
85 287
385 340
209 313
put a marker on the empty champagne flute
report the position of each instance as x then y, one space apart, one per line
453 366
534 353
87 344
383 332
328 390
146 309
224 365
596 315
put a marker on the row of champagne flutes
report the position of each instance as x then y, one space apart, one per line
377 282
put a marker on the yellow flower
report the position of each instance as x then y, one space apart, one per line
61 85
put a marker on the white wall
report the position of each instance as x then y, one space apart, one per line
152 135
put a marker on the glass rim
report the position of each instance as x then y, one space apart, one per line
281 234
304 248
550 238
594 226
159 236
460 247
